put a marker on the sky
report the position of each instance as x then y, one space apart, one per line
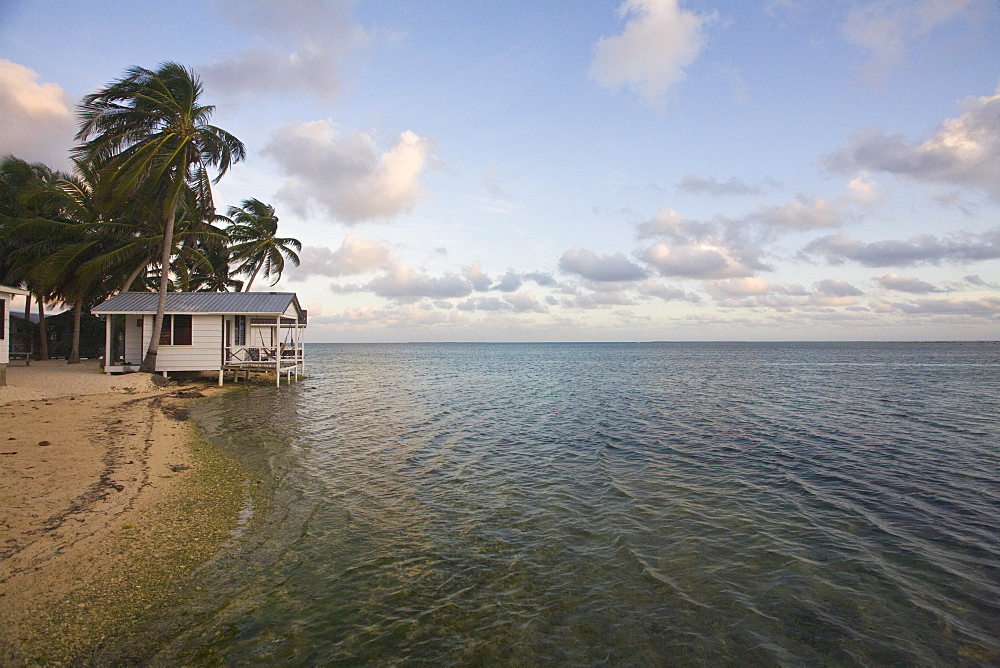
595 170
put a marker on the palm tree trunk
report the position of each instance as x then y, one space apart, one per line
134 275
253 276
43 335
27 322
74 351
149 361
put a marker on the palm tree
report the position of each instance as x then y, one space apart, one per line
255 244
202 247
60 246
150 137
18 180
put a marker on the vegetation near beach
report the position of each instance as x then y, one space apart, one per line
137 211
116 615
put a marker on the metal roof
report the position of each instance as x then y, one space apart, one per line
271 303
12 291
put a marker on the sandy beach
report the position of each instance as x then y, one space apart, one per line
109 502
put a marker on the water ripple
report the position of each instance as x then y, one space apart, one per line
621 504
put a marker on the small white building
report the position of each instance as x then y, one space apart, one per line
207 331
7 295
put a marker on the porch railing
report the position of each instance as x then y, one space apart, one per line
265 355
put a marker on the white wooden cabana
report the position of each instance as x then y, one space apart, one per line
208 331
7 295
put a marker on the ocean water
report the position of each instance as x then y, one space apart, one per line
618 504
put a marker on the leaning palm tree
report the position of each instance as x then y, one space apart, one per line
150 137
256 245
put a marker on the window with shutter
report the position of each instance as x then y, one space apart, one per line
182 330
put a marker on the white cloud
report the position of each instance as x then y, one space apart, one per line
603 268
740 287
864 189
712 186
347 176
904 284
836 287
810 213
509 282
475 275
525 302
697 249
658 42
406 285
37 118
695 261
987 307
885 27
964 150
355 256
755 292
666 293
514 303
801 214
361 318
297 45
925 248
673 225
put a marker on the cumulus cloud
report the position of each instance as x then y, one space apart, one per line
689 262
987 307
740 287
525 302
297 46
540 278
658 42
402 316
804 213
601 299
699 249
481 304
406 285
964 150
673 225
712 186
347 176
666 293
512 303
801 214
835 287
38 122
903 284
924 248
355 256
885 28
604 268
755 292
975 279
476 277
509 282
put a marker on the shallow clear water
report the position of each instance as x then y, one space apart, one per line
616 503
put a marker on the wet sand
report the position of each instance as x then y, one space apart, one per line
108 504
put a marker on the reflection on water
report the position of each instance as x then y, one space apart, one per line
643 504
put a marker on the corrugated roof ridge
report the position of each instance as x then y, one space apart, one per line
200 302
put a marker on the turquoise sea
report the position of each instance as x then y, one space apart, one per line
615 504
